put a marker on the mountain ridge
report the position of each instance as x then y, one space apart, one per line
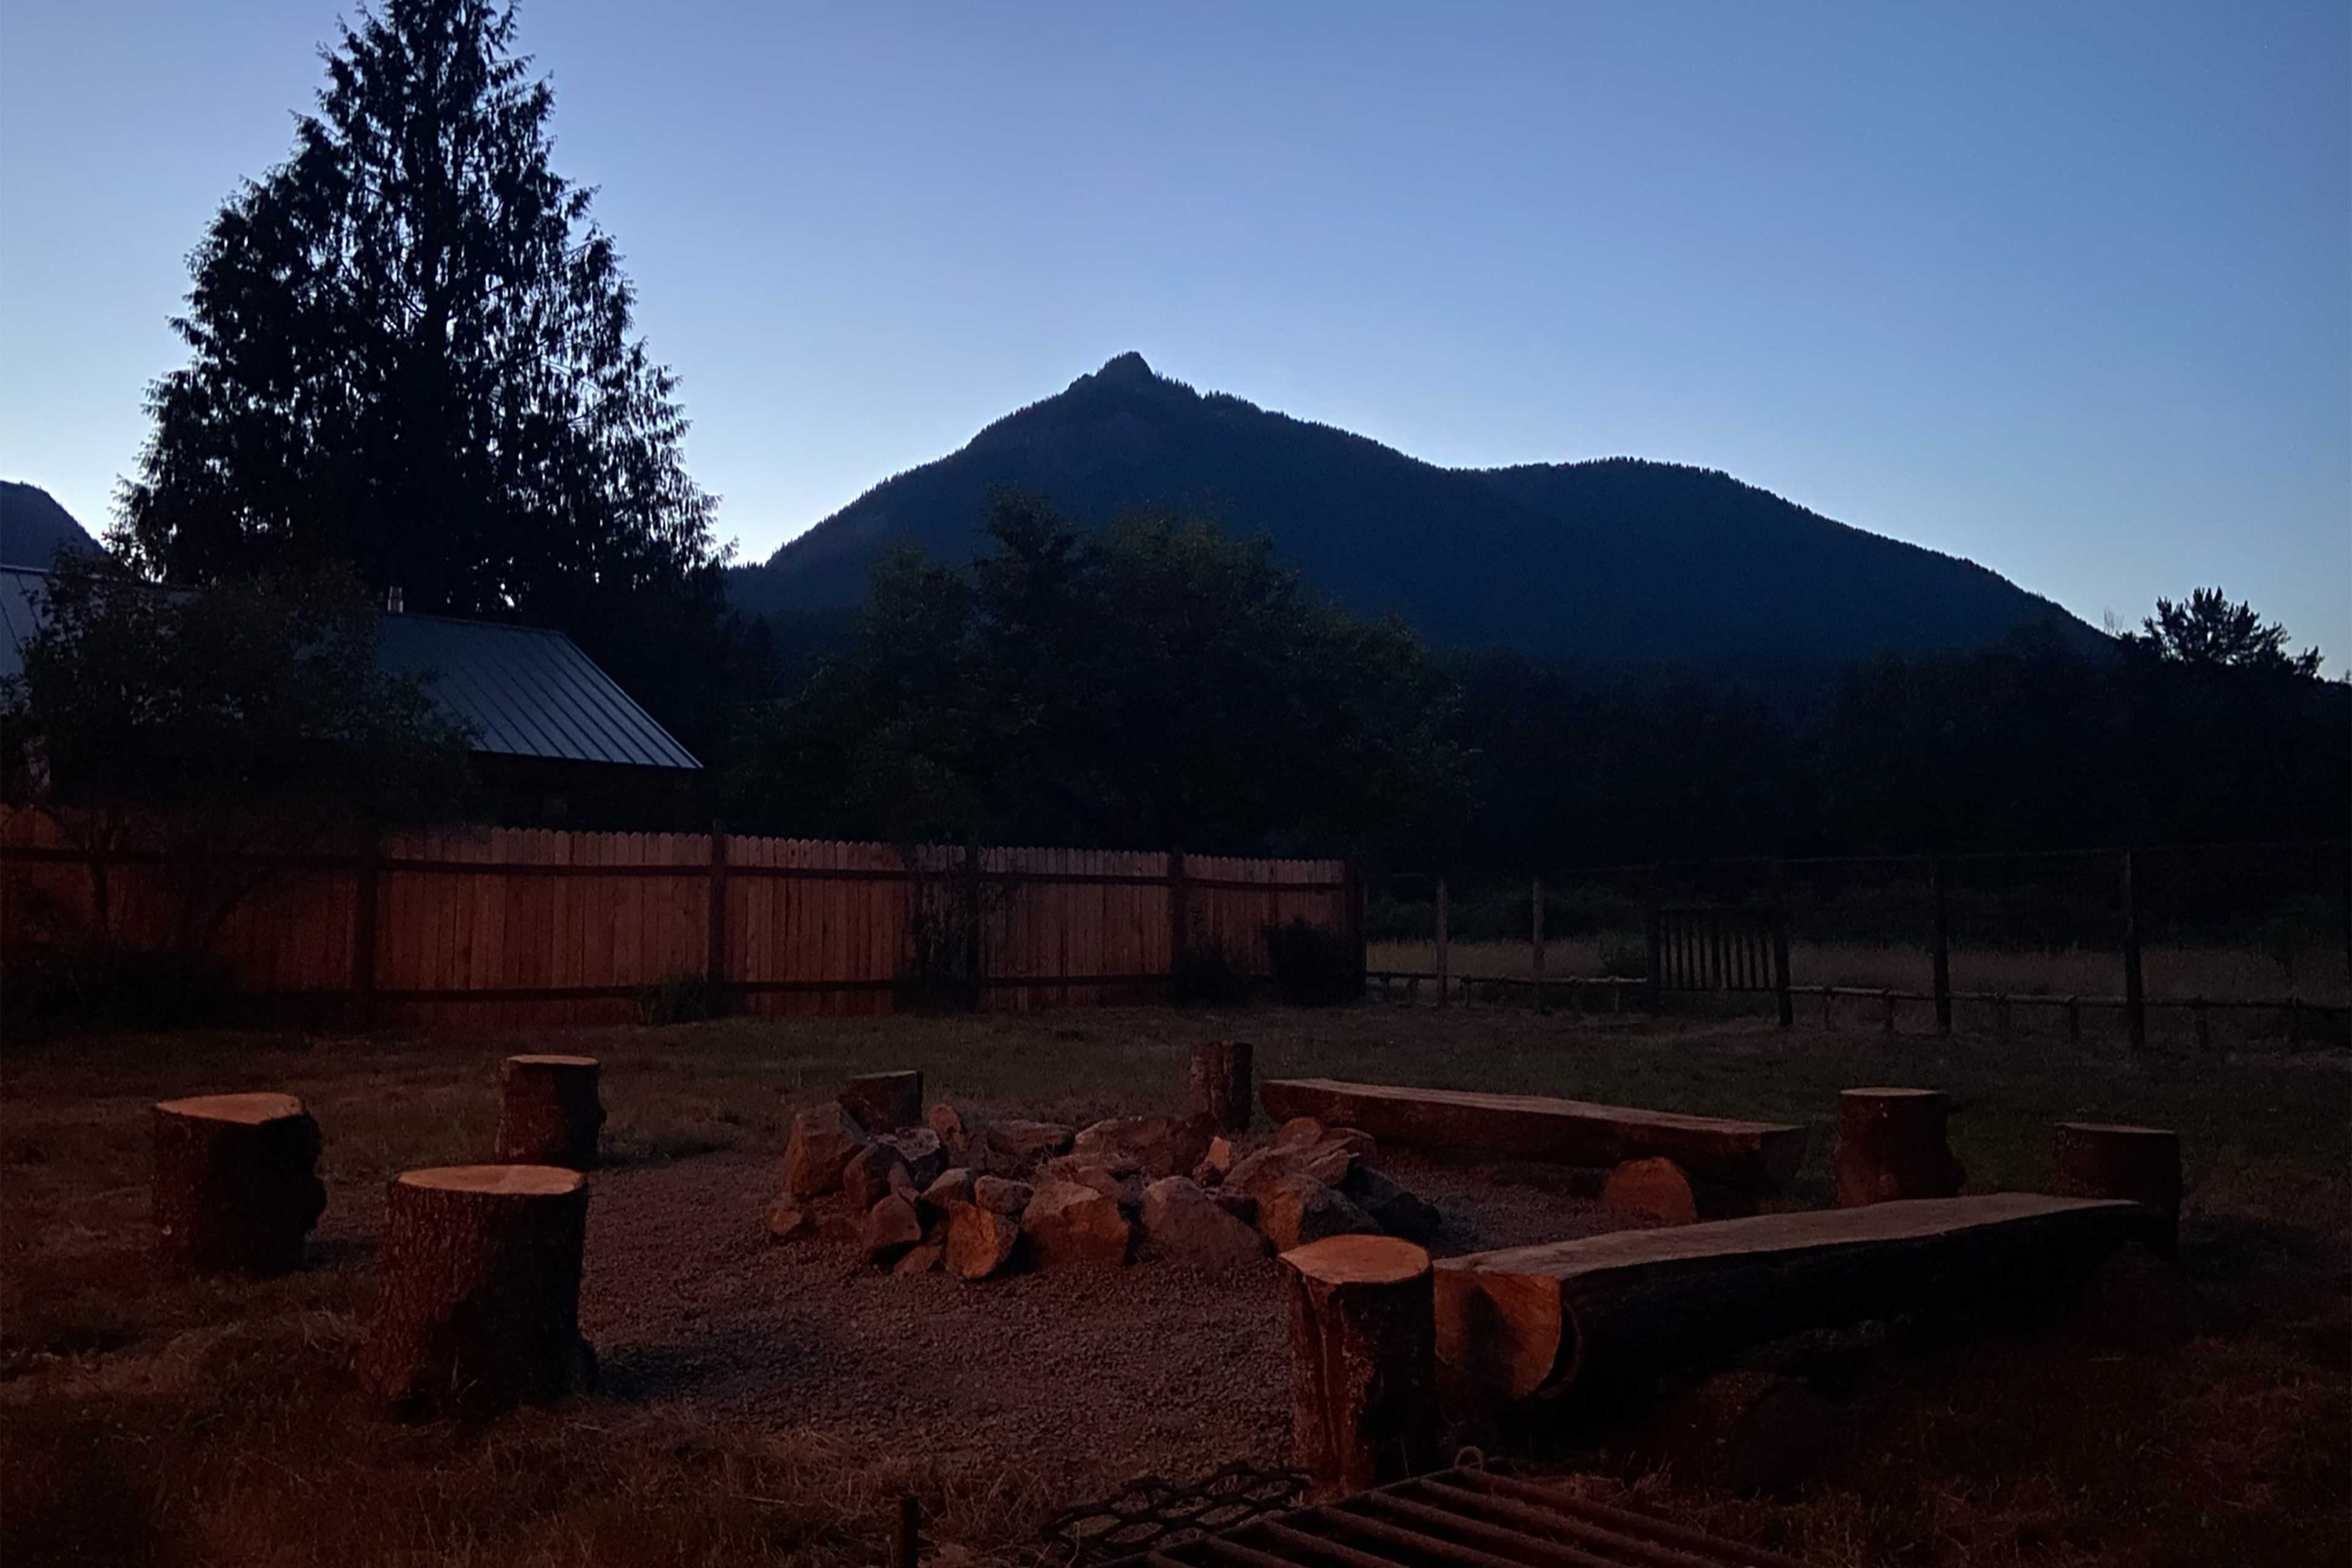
1607 560
33 525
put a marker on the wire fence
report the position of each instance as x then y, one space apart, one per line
2206 946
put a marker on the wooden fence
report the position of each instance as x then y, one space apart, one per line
513 927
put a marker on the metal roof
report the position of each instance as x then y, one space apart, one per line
525 691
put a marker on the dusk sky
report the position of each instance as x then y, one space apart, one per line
2066 289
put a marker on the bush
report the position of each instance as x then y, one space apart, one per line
680 999
1208 977
1314 967
54 987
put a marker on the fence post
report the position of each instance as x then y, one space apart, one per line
1785 1003
1536 936
363 928
1180 914
971 976
1442 968
715 973
1653 980
2134 988
1940 949
1351 897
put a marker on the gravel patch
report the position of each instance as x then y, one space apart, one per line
1086 1376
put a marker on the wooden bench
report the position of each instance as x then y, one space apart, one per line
1750 1156
1530 1321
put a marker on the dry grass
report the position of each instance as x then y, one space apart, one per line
2215 972
213 1424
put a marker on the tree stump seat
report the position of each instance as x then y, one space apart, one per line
1363 1362
549 1111
479 1307
1892 1145
2113 1159
236 1185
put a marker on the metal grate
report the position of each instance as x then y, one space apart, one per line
1149 1515
1462 1518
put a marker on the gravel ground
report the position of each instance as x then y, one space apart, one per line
1097 1375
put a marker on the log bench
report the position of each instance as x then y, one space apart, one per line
1532 1321
1759 1157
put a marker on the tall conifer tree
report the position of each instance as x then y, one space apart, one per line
412 352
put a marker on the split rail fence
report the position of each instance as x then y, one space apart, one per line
516 927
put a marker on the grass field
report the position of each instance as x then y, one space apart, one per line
213 1423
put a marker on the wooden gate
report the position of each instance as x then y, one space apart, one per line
1714 947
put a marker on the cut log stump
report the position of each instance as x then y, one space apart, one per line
1220 1083
236 1185
1891 1145
548 1113
885 1101
2107 1160
1660 1190
479 1307
1363 1363
1531 1320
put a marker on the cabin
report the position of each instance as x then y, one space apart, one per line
556 742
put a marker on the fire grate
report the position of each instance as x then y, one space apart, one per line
1461 1519
1149 1515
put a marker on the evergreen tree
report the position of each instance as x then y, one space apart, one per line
412 354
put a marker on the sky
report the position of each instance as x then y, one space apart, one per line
2064 290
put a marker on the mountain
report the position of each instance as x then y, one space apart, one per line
32 526
1615 561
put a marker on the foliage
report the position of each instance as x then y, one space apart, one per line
52 985
1314 966
2025 744
684 998
1155 684
412 352
1208 976
2206 630
203 727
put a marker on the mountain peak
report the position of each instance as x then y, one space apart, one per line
1129 366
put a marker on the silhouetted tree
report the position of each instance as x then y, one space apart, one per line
1154 684
206 728
2210 632
412 354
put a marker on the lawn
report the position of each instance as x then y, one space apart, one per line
213 1423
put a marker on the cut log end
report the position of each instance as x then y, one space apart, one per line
516 1181
1358 1260
246 1110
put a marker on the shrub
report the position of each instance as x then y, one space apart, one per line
112 988
1313 966
680 999
1208 977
